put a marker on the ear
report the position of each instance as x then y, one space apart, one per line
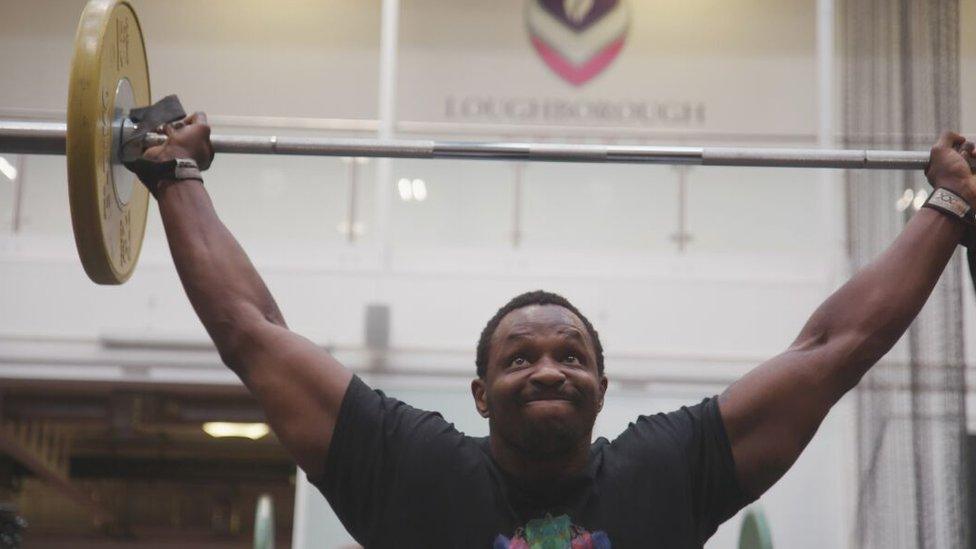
480 393
603 393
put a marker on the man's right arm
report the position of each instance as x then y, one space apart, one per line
298 384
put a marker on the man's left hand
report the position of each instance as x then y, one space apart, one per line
949 166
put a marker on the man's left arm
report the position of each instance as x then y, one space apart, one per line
774 410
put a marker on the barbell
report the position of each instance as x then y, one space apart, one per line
110 77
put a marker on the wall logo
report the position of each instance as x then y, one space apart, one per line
578 39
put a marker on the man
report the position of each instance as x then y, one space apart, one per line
401 477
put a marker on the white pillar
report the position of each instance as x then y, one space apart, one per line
833 200
387 122
825 42
832 197
300 514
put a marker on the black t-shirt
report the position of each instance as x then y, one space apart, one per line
401 477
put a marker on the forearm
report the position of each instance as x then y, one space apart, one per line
224 288
868 315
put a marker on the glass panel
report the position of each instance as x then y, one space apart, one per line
754 210
460 203
602 206
8 175
44 203
293 199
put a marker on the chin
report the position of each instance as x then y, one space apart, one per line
550 434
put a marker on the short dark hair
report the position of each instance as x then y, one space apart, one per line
537 297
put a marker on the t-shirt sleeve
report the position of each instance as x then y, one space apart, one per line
698 436
380 445
716 492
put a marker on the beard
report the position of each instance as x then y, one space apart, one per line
545 439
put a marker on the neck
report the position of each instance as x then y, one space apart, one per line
531 469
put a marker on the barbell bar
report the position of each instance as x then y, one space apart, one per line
49 138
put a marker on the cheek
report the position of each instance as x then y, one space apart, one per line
500 393
589 387
504 394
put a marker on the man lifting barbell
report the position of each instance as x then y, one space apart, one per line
397 476
401 477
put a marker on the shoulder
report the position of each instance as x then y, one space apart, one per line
392 465
673 427
375 413
374 429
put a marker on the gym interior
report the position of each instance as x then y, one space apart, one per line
121 427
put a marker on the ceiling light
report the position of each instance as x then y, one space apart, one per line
905 201
223 429
920 198
8 169
406 193
419 190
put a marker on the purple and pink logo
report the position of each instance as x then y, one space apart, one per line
578 39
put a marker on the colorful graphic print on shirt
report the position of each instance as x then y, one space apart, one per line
553 533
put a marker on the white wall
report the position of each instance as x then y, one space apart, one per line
735 57
232 57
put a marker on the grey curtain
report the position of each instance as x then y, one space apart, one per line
901 89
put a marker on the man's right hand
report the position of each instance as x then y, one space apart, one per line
187 138
949 166
299 385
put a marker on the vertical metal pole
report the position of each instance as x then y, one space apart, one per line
389 25
300 513
352 176
16 220
682 237
519 169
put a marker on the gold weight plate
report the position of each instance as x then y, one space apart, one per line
109 75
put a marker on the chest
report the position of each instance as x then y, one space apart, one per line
480 510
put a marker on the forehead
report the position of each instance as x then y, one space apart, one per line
537 321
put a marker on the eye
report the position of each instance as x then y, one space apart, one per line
518 361
571 359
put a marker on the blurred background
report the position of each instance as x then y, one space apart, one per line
121 428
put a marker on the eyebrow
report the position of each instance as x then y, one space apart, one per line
570 332
521 334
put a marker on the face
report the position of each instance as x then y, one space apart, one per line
541 391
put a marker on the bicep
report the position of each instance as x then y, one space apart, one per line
299 385
772 412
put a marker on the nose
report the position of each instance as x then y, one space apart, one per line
547 373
